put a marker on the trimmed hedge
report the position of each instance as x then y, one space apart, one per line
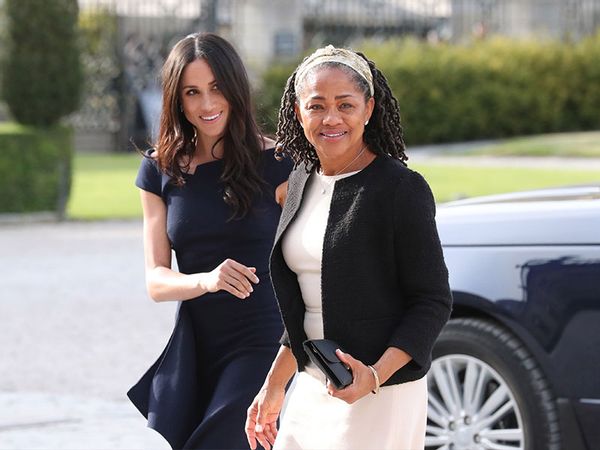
487 89
35 168
42 71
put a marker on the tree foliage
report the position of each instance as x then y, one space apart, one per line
488 89
42 74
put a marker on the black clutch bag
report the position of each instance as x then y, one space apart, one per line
322 353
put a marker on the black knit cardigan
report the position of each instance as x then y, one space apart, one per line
384 282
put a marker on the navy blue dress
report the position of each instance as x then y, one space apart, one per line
196 394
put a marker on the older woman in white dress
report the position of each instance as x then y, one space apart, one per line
357 260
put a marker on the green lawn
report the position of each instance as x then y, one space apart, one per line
583 144
451 182
103 185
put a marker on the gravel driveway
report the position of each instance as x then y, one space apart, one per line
77 331
78 328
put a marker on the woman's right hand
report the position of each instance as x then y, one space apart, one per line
261 421
230 276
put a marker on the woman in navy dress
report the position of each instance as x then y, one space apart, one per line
209 192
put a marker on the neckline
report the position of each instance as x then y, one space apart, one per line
354 174
200 166
331 181
339 176
215 161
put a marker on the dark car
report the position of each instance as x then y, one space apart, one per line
518 365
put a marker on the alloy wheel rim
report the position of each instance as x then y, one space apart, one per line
471 407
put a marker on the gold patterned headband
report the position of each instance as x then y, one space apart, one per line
337 55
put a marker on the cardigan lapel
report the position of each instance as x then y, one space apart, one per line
297 183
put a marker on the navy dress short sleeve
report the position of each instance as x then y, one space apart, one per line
196 394
149 177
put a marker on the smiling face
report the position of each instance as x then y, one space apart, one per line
332 111
203 103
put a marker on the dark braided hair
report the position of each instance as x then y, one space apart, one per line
383 134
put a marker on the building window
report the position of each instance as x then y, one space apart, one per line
286 44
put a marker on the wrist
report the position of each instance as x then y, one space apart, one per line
199 282
377 383
274 383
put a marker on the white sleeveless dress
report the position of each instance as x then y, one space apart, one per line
394 419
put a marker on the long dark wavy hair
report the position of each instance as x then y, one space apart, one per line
383 134
242 139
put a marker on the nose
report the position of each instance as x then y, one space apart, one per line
332 117
206 103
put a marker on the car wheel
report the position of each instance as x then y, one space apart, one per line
487 392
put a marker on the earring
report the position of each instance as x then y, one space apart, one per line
366 123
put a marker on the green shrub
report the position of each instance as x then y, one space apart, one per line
483 90
35 168
488 89
584 86
268 97
42 69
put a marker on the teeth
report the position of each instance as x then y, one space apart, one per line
211 117
333 135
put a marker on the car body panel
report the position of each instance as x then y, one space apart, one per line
531 261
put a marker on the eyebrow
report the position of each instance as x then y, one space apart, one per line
213 82
337 97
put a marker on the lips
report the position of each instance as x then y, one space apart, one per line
333 134
211 118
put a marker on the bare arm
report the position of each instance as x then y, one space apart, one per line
283 368
163 283
261 422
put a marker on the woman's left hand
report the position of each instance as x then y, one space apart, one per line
281 193
362 384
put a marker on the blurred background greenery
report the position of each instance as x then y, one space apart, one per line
482 89
103 183
80 86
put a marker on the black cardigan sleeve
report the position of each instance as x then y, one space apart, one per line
421 270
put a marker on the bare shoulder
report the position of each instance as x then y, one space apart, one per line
267 142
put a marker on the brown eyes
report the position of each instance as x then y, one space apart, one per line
191 92
318 107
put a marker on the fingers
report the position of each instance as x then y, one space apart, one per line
346 358
237 286
349 394
247 272
236 278
251 424
266 437
265 434
262 439
259 428
266 427
281 193
360 383
270 432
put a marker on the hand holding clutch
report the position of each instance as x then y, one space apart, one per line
322 353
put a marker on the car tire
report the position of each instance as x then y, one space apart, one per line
487 391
